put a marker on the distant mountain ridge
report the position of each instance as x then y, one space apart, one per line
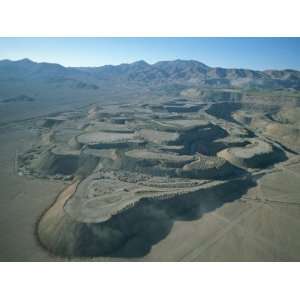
184 72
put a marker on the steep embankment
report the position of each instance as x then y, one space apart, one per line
131 231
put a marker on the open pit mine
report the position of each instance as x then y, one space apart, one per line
133 171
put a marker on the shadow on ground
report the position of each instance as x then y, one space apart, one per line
133 232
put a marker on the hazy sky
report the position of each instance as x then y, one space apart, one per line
254 53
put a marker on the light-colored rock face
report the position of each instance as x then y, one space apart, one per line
65 150
94 138
105 194
185 124
161 156
155 162
107 127
257 154
288 116
204 163
256 147
159 137
97 200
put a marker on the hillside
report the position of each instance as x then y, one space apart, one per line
187 72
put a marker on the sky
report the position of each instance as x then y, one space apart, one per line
252 53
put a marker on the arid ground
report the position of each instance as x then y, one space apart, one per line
174 172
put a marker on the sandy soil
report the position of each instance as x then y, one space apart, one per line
263 225
22 201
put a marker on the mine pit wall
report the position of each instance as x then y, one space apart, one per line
101 146
64 165
73 144
224 110
132 231
224 172
120 145
201 140
49 123
182 109
217 96
87 163
258 161
51 164
150 167
211 149
174 169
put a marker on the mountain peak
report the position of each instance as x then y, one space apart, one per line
180 63
140 62
185 72
25 61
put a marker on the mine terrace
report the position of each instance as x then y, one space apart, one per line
133 170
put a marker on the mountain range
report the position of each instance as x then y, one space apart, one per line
182 72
